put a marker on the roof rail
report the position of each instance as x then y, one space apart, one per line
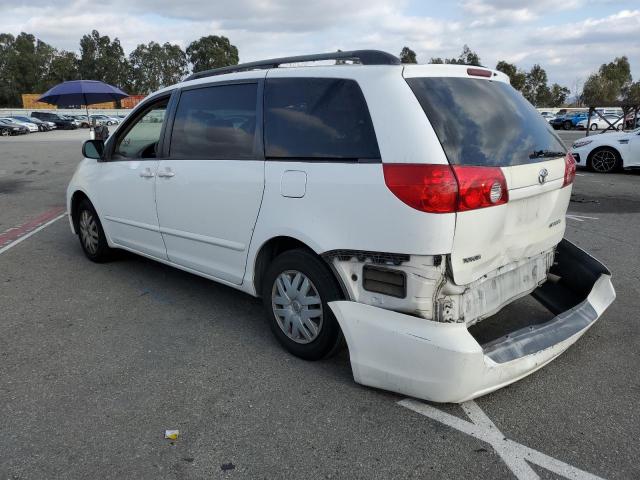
365 57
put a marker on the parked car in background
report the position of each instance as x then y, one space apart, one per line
75 121
598 123
105 120
606 153
548 116
346 198
31 126
568 121
8 127
82 120
60 120
42 126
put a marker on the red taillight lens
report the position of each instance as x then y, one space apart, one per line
478 72
443 189
480 187
429 188
569 169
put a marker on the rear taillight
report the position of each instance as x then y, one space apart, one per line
480 187
429 188
446 189
569 169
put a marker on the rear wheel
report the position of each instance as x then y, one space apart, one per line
295 293
567 125
92 238
4 132
593 126
603 160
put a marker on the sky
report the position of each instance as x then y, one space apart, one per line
569 38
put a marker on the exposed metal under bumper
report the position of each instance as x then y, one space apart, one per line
443 363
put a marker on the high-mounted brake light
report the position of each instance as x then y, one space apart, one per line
446 189
569 169
479 72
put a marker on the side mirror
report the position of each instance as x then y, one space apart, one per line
93 149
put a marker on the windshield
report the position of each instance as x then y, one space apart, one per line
481 122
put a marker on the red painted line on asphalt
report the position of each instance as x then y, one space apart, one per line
15 233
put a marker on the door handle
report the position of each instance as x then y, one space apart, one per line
166 173
147 173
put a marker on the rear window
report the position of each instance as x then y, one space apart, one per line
480 122
317 118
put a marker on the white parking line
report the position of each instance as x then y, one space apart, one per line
515 455
580 218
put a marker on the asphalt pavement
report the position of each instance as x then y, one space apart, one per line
97 361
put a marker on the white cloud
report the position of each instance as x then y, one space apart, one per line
518 31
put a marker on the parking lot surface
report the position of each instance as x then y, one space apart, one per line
97 361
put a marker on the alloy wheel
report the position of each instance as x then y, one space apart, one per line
89 231
603 161
297 306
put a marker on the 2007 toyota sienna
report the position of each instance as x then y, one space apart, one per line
389 206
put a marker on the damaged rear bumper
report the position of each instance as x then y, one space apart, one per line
443 362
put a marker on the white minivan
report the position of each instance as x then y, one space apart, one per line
392 207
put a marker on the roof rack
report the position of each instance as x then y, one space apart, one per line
365 57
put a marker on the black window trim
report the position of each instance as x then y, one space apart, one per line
258 146
326 159
131 120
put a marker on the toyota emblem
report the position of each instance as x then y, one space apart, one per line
542 176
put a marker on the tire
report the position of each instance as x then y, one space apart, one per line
604 160
593 127
285 303
567 125
4 132
90 233
619 127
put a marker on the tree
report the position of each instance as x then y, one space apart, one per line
516 76
467 57
610 84
25 63
535 86
211 52
408 56
104 60
557 95
154 66
63 67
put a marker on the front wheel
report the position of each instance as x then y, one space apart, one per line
92 238
567 125
593 126
296 291
603 160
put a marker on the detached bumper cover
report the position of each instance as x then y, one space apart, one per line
442 362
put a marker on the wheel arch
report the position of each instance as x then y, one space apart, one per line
76 198
273 247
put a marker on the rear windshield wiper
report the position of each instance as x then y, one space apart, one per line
546 154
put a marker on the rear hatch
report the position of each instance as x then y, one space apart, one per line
484 122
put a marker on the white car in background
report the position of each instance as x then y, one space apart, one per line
606 153
598 123
548 116
31 126
352 200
